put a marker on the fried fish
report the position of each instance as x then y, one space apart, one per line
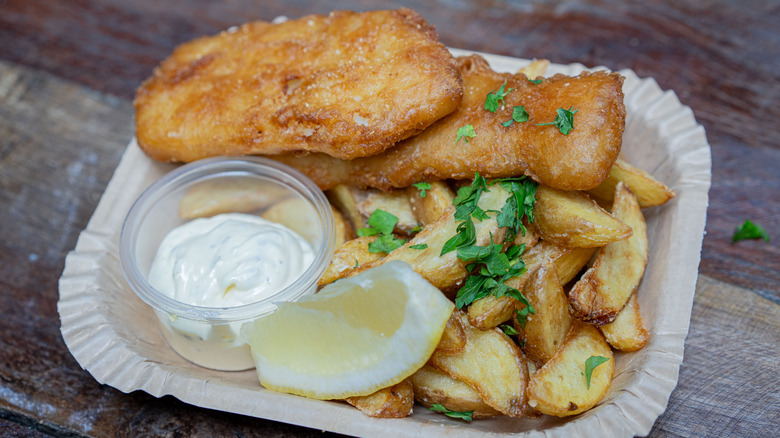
347 84
579 160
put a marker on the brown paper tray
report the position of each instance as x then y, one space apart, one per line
114 335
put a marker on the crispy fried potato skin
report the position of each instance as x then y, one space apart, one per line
348 84
580 160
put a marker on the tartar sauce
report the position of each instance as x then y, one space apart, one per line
228 260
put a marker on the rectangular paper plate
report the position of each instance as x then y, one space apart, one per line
114 335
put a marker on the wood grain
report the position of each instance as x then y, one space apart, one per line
69 69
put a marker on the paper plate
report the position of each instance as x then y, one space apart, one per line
115 336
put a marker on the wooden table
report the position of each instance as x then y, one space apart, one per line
68 71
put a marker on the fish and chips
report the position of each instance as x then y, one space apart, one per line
375 111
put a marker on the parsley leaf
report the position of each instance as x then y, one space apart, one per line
466 132
420 246
564 120
519 115
522 315
535 81
381 223
492 99
465 234
519 205
750 230
508 330
591 364
462 415
385 243
423 187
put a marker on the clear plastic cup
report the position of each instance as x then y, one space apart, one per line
209 336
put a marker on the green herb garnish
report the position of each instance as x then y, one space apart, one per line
519 115
492 99
420 246
381 223
423 187
591 364
461 415
564 120
750 230
535 81
519 205
466 132
508 330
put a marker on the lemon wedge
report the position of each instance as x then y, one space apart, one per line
354 337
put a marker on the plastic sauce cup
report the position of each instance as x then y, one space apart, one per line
209 336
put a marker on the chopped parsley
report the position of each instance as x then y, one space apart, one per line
522 315
535 81
420 246
381 223
492 99
750 230
461 415
519 205
519 115
508 330
466 132
423 187
564 120
591 364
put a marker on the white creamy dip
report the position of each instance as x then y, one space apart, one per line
228 260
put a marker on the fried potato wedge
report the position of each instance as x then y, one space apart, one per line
490 311
343 198
536 68
529 239
544 330
649 191
627 332
560 387
395 202
393 402
429 208
571 218
492 364
432 386
349 256
453 339
298 215
447 271
604 289
226 195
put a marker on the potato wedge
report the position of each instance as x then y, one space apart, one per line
490 311
349 256
604 289
447 271
393 402
649 191
395 202
492 364
432 386
571 218
343 198
453 339
627 332
429 208
243 195
536 68
544 330
560 388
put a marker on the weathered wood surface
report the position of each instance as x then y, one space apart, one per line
61 139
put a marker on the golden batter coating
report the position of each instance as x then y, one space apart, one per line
580 160
347 84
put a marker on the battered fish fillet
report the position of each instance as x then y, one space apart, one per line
578 161
347 84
